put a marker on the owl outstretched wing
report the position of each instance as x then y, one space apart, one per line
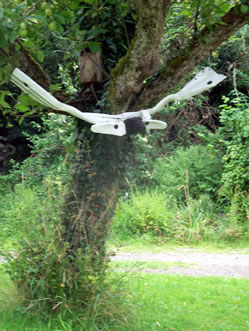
125 123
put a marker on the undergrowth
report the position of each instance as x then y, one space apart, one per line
111 309
157 216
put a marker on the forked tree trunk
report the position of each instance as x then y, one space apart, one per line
100 161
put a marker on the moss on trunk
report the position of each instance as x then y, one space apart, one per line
98 171
142 58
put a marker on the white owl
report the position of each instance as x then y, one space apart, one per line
125 123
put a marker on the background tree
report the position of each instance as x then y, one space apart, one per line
137 71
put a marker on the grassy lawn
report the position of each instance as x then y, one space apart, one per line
160 302
189 303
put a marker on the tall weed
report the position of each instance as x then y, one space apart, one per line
51 277
24 207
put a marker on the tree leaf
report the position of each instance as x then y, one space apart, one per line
94 46
40 56
3 41
74 4
91 2
2 98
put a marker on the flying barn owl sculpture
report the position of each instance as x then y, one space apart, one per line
125 123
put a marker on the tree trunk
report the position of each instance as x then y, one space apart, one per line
101 164
97 174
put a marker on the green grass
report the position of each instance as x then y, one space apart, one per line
112 310
189 303
160 302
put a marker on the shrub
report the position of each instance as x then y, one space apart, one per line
235 137
153 216
48 276
144 212
192 171
51 153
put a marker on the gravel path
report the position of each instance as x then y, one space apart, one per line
196 263
201 264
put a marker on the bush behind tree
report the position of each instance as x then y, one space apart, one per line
191 171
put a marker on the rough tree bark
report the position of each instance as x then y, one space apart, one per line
142 58
97 173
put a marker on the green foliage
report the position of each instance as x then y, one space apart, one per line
144 212
208 12
155 302
51 155
45 280
204 220
33 222
38 179
49 278
235 136
30 217
153 216
233 58
186 19
47 29
190 171
185 206
50 272
19 209
140 169
7 26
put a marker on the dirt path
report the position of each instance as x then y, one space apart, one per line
198 263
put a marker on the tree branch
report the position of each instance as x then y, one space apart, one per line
21 57
199 48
